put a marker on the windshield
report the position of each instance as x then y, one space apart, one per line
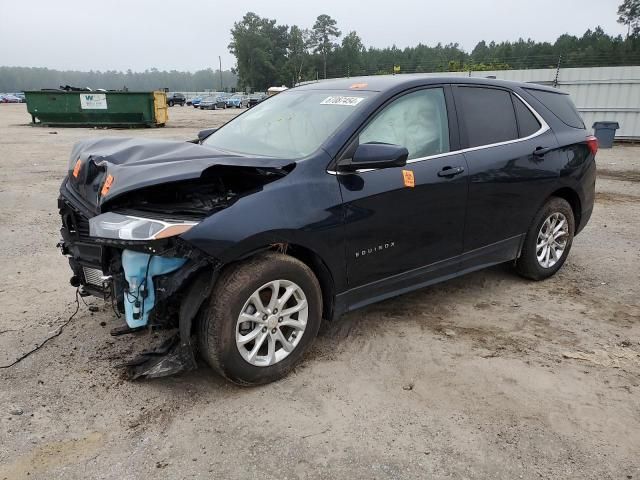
291 124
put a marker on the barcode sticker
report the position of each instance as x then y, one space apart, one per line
348 101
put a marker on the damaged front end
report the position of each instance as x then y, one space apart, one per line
127 248
155 283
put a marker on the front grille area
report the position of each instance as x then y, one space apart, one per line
74 220
93 276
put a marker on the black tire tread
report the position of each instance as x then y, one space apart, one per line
527 264
231 279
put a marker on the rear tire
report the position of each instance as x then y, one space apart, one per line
223 322
171 103
548 241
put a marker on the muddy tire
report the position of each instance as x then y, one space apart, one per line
548 241
242 306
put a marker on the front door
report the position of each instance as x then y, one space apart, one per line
405 219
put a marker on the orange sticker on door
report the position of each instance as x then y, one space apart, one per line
409 180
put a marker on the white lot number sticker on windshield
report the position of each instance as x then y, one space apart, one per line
348 101
93 101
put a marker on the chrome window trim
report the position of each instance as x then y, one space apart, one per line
544 127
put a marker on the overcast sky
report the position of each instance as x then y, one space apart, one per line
190 34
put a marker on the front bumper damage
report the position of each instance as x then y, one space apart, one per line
159 284
117 191
176 354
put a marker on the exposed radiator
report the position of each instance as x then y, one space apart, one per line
93 276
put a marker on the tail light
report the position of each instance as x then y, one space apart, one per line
592 143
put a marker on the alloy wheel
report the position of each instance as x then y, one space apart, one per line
552 240
271 323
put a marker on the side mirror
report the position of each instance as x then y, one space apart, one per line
375 155
203 134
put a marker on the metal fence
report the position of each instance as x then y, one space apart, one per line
600 93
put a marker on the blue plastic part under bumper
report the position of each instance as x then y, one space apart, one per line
139 270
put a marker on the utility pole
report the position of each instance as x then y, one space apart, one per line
325 65
555 81
220 61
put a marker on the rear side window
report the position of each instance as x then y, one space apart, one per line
560 105
487 115
527 122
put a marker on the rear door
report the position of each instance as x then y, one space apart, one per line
507 177
401 219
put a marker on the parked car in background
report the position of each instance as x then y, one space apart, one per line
213 103
255 99
195 101
238 100
176 99
416 180
10 98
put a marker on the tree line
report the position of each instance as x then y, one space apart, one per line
17 79
270 54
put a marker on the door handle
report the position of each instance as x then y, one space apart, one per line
541 151
449 172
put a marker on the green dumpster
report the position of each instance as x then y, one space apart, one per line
112 109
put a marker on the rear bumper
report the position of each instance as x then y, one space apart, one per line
584 219
587 194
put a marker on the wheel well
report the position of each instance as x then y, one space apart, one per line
311 260
320 270
572 197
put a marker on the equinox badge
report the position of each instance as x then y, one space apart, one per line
376 249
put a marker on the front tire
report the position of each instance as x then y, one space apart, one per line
548 241
263 315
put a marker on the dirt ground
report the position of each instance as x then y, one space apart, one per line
485 376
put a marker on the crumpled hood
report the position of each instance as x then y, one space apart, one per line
136 163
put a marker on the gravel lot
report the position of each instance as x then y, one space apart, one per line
485 376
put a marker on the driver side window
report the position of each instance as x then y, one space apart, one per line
417 121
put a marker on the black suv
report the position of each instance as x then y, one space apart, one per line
318 201
176 99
